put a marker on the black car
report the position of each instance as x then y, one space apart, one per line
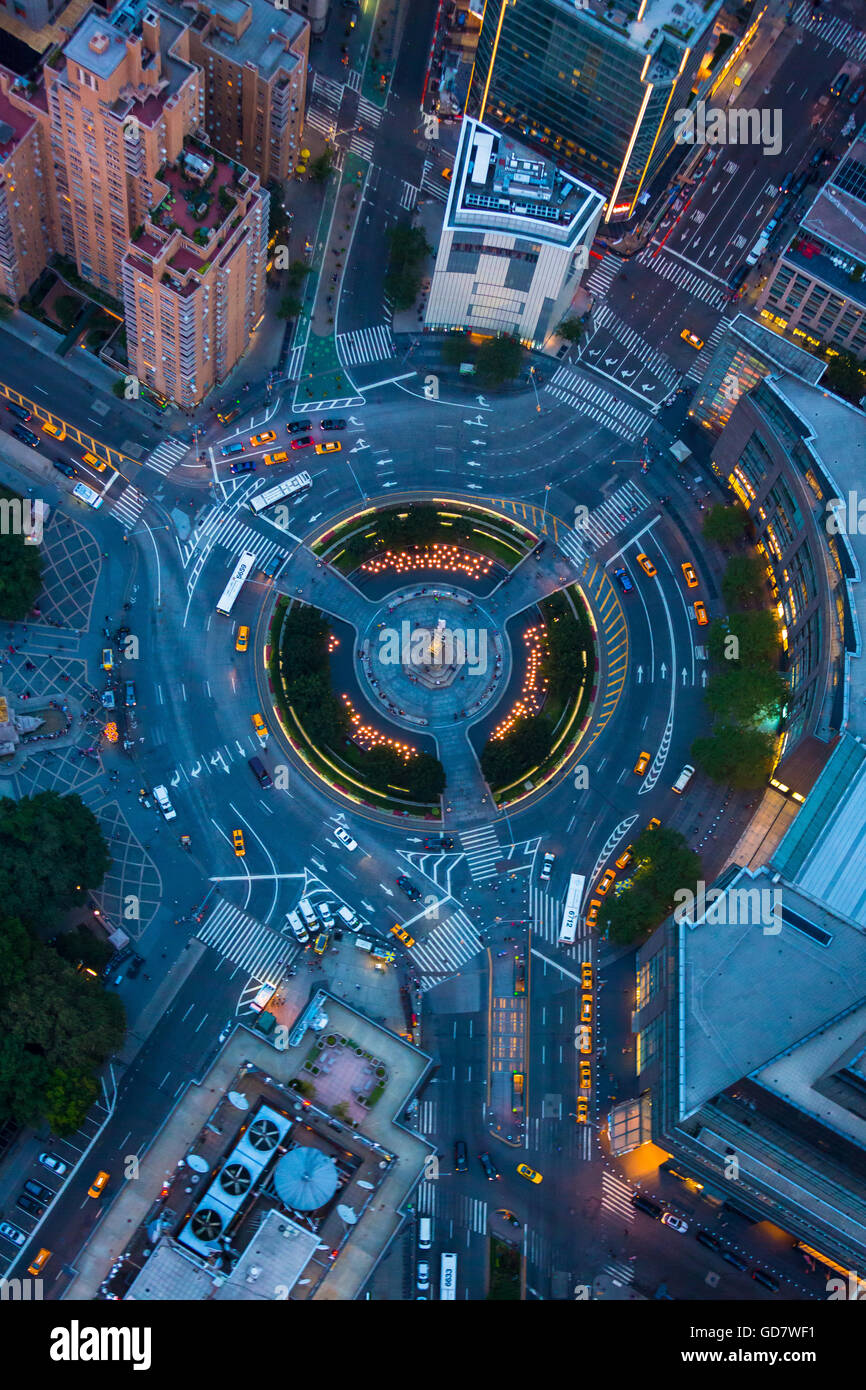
738 276
134 969
704 1238
19 411
490 1169
461 1157
644 1204
412 893
244 466
623 580
67 469
30 1205
734 1260
332 424
438 842
38 1190
761 1278
298 426
26 436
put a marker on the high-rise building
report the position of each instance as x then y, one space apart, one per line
594 85
254 61
816 292
24 227
746 353
514 242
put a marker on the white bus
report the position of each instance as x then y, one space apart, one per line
87 494
280 492
242 572
571 910
448 1277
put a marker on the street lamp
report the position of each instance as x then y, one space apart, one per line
547 487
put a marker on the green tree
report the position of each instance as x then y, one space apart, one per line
6 306
457 348
570 330
80 944
747 694
742 757
408 249
20 566
69 1095
506 760
51 851
743 580
757 637
663 864
499 360
319 168
296 275
844 375
289 307
725 525
66 308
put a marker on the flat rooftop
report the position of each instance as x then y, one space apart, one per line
838 213
14 125
773 348
261 42
97 46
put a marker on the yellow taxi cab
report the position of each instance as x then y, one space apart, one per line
691 578
654 823
402 935
97 1187
646 565
446 172
642 764
329 446
260 726
585 1076
592 914
93 462
581 1111
700 613
281 457
55 427
243 639
238 842
586 974
107 659
40 1262
529 1173
584 1038
267 438
625 858
607 879
586 1008
692 339
320 945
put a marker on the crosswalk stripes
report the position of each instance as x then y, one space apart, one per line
128 506
166 455
483 851
322 121
360 145
328 91
368 114
624 1273
427 1117
408 196
246 942
353 80
702 361
452 942
293 365
474 1214
426 1198
684 277
634 343
545 912
602 276
588 398
236 536
834 30
616 1196
365 345
433 184
585 1142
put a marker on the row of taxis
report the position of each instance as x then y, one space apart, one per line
301 438
649 569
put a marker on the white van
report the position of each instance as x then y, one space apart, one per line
297 927
363 945
162 801
348 918
263 998
683 780
87 494
311 921
425 1233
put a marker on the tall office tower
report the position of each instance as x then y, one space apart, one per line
254 60
514 242
24 218
594 85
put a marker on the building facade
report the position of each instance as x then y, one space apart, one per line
593 86
816 291
514 242
24 218
746 353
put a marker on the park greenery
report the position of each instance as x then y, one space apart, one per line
20 565
304 681
570 330
408 249
498 360
59 1025
413 525
844 375
505 760
661 865
725 525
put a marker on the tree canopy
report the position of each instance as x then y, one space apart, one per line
725 525
662 865
20 564
408 249
498 360
51 851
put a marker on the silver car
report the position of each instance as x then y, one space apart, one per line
55 1164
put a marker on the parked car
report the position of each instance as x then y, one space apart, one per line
19 411
731 1258
26 436
12 1233
55 1164
67 469
129 695
39 1190
705 1238
30 1205
764 1279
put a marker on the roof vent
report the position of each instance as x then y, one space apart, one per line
99 42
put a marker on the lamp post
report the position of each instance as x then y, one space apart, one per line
547 487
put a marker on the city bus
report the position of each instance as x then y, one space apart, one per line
742 74
571 910
280 492
448 1277
242 572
